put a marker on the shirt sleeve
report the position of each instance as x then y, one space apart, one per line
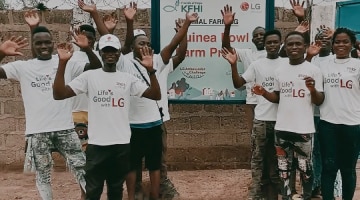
159 64
137 87
13 69
80 84
276 81
75 68
249 74
243 54
318 80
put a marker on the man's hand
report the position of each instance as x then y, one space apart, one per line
258 89
130 12
303 27
80 39
110 21
32 18
298 9
327 31
65 51
314 49
310 83
12 46
228 15
192 17
230 56
179 23
146 58
87 8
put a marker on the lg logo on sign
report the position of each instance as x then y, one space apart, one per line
245 6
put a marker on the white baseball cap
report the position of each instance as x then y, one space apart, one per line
139 32
109 40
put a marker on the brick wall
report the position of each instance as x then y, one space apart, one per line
199 136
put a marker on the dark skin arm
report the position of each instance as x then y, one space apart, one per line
228 17
33 20
231 57
273 97
180 53
167 51
60 90
317 97
11 47
91 8
129 16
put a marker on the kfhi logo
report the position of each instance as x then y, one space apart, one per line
184 7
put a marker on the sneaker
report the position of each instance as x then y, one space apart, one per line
168 190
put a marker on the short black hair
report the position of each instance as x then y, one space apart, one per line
258 27
272 32
41 29
88 28
347 31
295 33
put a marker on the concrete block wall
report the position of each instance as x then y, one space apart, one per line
199 136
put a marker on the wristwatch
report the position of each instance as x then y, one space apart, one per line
152 72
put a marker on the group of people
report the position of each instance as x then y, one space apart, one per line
285 84
114 97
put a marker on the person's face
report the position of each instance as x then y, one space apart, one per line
325 42
342 45
140 42
43 45
91 38
110 55
258 38
272 44
295 47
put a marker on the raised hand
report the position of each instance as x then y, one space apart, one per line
228 15
12 46
310 83
192 17
65 51
258 89
298 9
146 58
110 21
80 39
32 18
328 32
230 56
130 12
87 7
303 27
179 23
314 49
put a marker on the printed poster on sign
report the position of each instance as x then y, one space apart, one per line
204 75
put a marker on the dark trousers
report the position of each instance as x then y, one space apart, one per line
106 163
339 146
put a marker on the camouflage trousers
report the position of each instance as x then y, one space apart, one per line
265 179
38 157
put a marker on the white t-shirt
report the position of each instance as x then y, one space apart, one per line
36 77
295 110
109 103
142 110
316 60
247 56
262 72
342 91
80 102
163 77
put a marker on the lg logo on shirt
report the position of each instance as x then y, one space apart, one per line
118 103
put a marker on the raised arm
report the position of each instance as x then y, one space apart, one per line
153 91
60 90
273 97
298 9
110 22
168 50
313 50
231 57
82 42
33 20
91 8
181 50
228 17
129 13
317 97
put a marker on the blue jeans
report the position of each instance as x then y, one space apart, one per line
339 147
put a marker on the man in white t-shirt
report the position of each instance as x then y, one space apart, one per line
145 118
263 160
48 123
298 86
246 56
109 91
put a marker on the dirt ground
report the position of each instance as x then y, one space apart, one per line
192 185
